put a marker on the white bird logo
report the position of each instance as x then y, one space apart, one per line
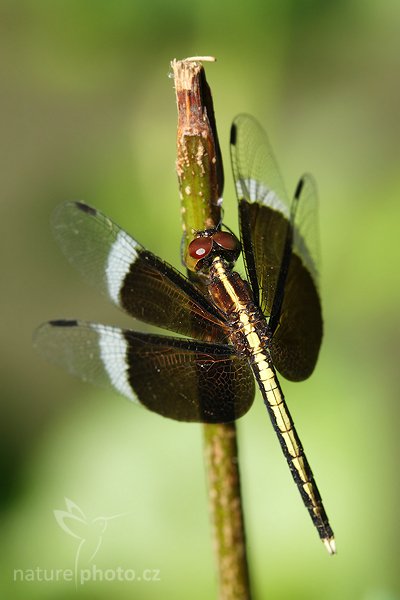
89 531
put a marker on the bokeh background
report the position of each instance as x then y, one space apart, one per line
87 112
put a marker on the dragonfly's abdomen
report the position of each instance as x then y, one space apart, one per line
291 446
250 335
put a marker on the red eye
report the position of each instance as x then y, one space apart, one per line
226 240
200 247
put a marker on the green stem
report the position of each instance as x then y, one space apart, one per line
225 502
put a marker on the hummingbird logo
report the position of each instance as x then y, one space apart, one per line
89 532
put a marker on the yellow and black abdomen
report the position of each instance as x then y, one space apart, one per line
291 446
250 335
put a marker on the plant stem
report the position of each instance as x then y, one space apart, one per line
225 502
200 175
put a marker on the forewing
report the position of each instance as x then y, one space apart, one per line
136 280
263 208
181 379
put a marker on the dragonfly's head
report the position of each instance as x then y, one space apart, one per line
211 243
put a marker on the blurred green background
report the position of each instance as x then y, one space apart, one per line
88 112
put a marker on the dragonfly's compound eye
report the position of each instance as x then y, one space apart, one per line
200 247
226 240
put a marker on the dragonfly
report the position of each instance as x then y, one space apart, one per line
235 334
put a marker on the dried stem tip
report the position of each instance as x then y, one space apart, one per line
199 163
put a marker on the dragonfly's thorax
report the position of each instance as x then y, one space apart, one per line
227 289
249 330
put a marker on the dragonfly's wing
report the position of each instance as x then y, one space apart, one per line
182 379
298 326
143 285
280 248
263 208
